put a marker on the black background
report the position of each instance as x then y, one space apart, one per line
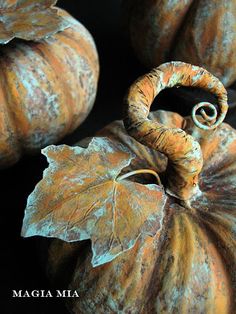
21 265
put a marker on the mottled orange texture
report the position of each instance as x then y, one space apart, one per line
47 89
95 203
189 265
183 152
200 32
29 20
179 257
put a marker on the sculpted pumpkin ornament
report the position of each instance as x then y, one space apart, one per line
156 208
201 32
48 76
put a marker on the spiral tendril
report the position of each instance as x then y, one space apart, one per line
210 119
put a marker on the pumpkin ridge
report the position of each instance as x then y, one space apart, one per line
168 261
226 252
7 104
140 19
185 248
155 283
9 141
218 279
72 38
90 60
177 34
200 32
56 68
48 84
20 107
186 20
46 102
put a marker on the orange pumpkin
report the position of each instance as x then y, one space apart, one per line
47 89
199 32
182 257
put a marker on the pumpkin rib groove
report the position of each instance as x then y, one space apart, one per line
8 100
25 113
188 227
9 141
195 51
183 250
200 32
51 87
184 262
90 60
178 32
74 41
228 259
175 265
155 284
55 65
165 23
215 261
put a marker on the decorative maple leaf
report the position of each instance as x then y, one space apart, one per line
29 20
81 196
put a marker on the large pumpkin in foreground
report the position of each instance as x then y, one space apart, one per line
47 88
164 245
201 32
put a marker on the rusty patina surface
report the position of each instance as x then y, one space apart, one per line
200 32
29 20
46 89
189 265
183 152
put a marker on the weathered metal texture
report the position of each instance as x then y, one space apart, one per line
95 202
46 89
29 20
184 154
184 259
189 266
200 32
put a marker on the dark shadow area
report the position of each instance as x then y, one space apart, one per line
22 266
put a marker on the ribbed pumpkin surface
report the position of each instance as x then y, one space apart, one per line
189 266
201 32
46 89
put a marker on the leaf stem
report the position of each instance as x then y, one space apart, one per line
132 173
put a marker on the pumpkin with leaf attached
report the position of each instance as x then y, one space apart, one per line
146 221
201 32
48 76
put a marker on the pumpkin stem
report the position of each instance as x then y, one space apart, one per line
132 173
184 153
209 119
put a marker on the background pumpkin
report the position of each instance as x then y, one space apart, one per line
47 89
189 264
200 32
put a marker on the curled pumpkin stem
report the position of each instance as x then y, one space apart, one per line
209 119
184 153
140 171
